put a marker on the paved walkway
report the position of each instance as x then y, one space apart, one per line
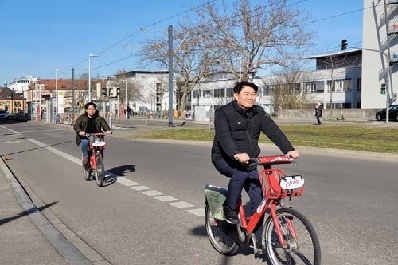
26 236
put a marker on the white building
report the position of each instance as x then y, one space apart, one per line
344 70
21 85
341 68
380 52
154 90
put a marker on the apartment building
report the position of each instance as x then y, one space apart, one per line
379 53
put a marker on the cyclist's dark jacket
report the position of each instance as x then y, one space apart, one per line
81 124
237 131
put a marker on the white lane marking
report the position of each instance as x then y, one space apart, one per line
198 212
49 130
165 198
139 188
182 205
11 130
11 142
152 193
126 182
56 151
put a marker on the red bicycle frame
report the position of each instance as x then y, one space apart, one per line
272 193
93 149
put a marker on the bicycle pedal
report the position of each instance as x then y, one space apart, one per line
260 251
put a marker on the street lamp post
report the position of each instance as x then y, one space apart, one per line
56 92
126 96
40 101
89 74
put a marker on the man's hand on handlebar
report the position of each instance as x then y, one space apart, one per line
293 154
242 157
109 132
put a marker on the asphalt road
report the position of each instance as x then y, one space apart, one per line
153 214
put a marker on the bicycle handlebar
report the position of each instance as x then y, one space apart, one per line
271 160
95 134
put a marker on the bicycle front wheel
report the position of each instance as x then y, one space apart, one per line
298 233
99 172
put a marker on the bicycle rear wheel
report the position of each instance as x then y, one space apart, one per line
218 236
99 172
303 248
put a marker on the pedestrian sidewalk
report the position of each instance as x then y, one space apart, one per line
21 240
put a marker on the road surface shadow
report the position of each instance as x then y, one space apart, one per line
26 213
121 171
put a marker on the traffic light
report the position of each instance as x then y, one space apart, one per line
117 91
343 45
383 89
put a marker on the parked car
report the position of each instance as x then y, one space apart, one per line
392 113
3 115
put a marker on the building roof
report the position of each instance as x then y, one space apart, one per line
5 94
335 54
66 84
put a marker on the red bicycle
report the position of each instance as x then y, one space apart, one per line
288 237
95 169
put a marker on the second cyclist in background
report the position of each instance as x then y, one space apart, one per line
89 122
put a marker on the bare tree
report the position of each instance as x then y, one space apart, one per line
239 38
288 91
247 37
191 63
134 88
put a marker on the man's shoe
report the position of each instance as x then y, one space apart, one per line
231 215
85 161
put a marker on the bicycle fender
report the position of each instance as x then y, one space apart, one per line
215 197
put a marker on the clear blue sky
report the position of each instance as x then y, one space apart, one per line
41 36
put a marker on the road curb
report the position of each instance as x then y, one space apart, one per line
56 239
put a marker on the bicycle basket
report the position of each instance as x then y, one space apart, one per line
276 185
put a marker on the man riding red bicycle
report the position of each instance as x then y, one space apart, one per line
89 122
238 126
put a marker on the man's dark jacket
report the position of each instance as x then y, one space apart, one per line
237 131
82 123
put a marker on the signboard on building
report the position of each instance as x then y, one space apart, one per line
61 102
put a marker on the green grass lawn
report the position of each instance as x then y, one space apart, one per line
358 138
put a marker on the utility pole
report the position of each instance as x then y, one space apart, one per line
171 75
73 95
389 78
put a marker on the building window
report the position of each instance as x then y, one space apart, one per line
359 83
346 84
310 87
230 92
219 93
340 85
268 90
207 93
196 93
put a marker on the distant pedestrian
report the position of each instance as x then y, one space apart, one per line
128 111
318 112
